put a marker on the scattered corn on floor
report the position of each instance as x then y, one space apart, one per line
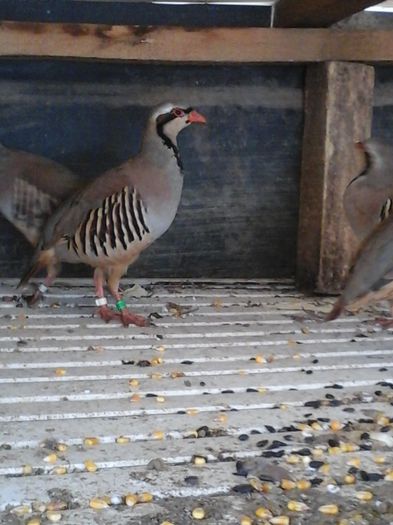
236 406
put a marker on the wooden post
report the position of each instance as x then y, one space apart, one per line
338 112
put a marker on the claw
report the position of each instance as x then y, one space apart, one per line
107 314
128 318
384 322
31 300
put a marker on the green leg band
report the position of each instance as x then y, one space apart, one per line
120 305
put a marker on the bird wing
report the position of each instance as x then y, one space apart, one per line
373 263
108 208
31 187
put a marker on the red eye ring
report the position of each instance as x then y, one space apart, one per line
178 112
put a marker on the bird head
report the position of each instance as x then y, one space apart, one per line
170 119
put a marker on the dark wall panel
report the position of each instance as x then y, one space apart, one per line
238 215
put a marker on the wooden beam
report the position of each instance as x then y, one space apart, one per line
189 46
316 13
338 112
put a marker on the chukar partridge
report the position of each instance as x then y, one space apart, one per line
31 188
368 205
112 220
368 198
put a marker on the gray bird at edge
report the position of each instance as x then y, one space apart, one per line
368 205
112 220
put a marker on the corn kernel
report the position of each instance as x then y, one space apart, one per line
260 359
27 470
56 505
130 500
303 484
245 520
336 425
21 510
325 469
330 510
262 390
160 348
60 372
292 459
34 521
135 398
61 447
145 497
349 447
344 521
198 513
379 459
279 520
316 426
160 399
91 441
333 451
156 375
51 458
167 523
158 434
53 516
383 421
156 361
317 452
287 484
263 513
349 479
90 466
364 495
354 462
283 406
134 383
389 476
176 374
255 483
198 460
297 506
222 418
98 503
191 411
122 440
59 471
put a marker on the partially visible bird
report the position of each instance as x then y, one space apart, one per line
368 205
370 277
31 188
113 219
368 198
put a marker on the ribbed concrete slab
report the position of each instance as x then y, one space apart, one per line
228 371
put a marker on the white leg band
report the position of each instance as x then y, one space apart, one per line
101 301
42 288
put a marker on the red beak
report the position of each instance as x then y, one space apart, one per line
196 117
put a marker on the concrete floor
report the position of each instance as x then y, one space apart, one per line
229 373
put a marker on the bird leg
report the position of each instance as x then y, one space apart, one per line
106 313
126 316
40 291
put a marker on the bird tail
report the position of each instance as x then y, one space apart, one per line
336 311
42 259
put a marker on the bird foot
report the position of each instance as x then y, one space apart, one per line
128 318
384 322
107 314
31 300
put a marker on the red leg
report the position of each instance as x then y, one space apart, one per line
42 288
106 313
126 316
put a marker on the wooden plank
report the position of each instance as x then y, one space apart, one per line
316 13
338 112
185 45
